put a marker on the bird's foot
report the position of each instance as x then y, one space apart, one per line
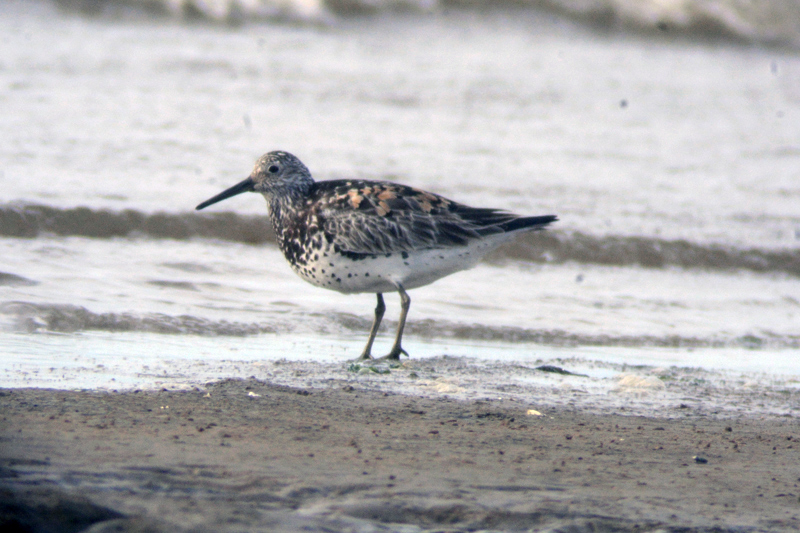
394 355
364 357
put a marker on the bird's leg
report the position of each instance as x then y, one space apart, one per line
405 303
379 309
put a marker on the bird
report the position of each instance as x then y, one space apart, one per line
364 236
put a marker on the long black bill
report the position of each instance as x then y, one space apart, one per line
245 186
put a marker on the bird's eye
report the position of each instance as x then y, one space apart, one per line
273 169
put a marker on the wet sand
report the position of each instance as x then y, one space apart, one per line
245 455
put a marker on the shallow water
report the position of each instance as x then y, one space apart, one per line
672 164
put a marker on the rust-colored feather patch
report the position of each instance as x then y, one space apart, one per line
383 208
355 198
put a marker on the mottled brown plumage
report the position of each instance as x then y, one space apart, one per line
373 236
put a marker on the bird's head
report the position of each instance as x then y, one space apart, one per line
275 175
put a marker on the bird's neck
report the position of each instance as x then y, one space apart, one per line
283 210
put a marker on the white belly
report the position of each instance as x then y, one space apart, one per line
383 273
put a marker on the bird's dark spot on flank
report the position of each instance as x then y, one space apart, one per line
323 270
366 274
404 255
330 264
354 256
338 280
405 263
388 255
316 257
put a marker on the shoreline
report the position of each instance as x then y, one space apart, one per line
240 455
661 383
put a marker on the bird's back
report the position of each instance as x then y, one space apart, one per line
383 217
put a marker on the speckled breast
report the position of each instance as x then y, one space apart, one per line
326 268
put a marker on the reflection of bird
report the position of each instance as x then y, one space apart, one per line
373 236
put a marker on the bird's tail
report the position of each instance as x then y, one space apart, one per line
529 223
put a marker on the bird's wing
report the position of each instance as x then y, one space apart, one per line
367 217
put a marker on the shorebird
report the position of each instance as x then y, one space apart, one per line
356 236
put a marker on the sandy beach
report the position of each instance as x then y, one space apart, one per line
246 455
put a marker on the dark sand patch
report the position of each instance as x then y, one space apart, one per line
250 456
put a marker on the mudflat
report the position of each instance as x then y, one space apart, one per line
247 455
